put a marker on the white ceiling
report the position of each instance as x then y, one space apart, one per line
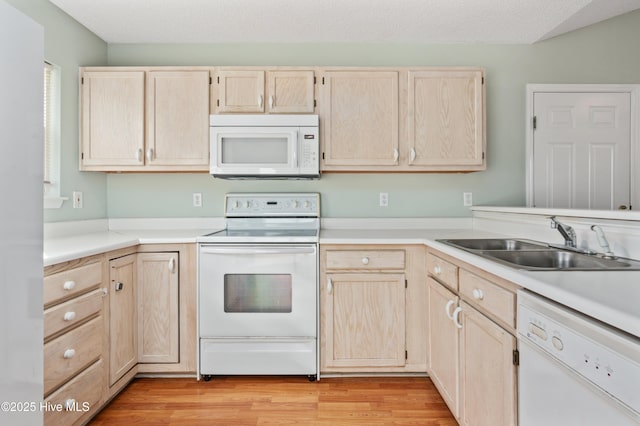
296 21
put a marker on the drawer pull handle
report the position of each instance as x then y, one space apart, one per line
271 101
172 265
447 309
119 286
478 294
69 316
437 270
69 285
69 353
365 260
70 404
456 317
329 286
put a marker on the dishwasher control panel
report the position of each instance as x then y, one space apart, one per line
596 352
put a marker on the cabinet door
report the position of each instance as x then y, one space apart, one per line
158 320
112 129
240 91
364 320
123 320
178 119
290 91
446 119
360 119
443 344
487 370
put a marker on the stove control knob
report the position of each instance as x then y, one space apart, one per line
236 204
294 204
247 204
306 204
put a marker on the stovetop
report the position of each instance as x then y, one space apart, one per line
269 218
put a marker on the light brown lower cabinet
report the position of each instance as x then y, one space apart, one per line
372 309
472 344
75 353
109 317
158 320
123 317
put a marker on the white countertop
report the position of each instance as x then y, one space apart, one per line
611 297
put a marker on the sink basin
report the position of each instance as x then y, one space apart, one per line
538 256
559 260
495 244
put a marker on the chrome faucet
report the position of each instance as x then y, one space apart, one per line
567 232
602 240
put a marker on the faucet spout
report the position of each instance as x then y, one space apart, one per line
566 231
602 240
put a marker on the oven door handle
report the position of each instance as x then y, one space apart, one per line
257 250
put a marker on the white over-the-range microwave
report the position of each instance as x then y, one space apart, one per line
245 146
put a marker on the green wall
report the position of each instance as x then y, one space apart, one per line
602 53
70 45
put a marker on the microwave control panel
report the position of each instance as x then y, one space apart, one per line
309 146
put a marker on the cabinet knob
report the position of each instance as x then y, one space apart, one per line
478 294
437 269
69 316
329 286
413 154
271 101
69 285
69 353
119 286
260 100
365 260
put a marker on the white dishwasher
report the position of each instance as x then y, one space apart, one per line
574 370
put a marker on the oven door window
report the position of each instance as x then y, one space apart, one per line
252 293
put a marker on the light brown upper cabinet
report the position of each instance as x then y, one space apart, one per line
135 119
245 91
446 119
403 119
359 119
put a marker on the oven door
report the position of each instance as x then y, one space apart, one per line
248 151
248 290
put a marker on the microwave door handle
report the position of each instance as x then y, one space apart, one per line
257 250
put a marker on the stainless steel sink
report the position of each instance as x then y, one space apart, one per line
556 259
538 256
495 244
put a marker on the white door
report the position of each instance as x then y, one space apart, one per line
581 150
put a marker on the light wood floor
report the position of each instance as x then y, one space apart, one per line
240 400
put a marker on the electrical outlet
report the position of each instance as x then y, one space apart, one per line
384 199
77 200
467 199
197 199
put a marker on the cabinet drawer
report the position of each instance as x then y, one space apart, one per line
64 285
366 259
485 295
66 355
65 315
80 395
443 271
